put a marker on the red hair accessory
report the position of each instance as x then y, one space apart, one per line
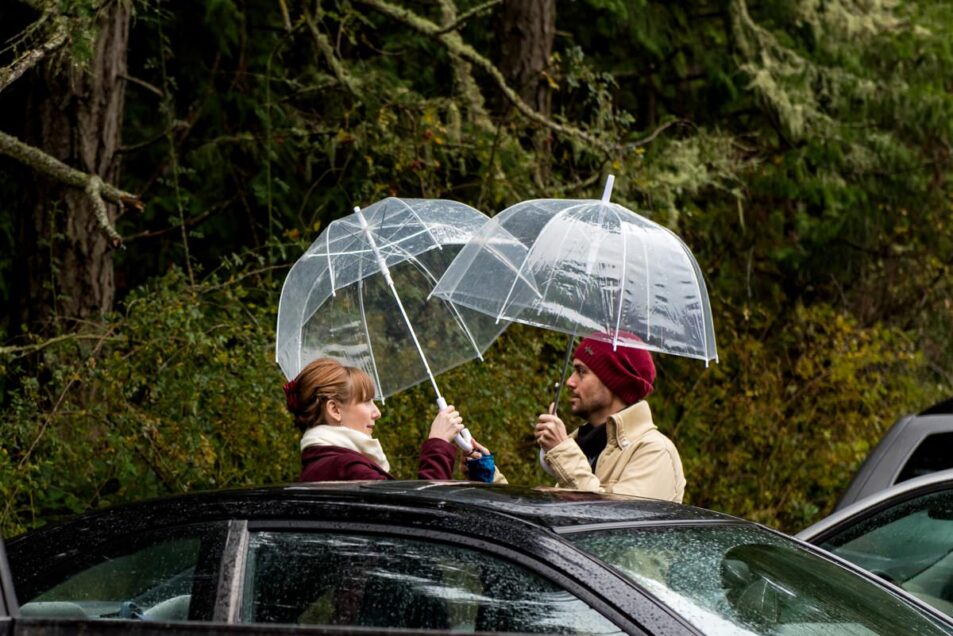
291 395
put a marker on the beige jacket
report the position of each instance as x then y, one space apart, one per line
638 460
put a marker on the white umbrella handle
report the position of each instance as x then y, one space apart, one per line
463 437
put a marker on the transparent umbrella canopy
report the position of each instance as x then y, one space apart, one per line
586 266
361 294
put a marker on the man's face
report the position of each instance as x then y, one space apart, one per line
588 394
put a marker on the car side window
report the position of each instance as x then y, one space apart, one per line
375 581
934 453
150 576
910 544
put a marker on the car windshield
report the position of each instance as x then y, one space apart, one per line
881 544
731 579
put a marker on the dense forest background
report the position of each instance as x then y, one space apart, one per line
164 162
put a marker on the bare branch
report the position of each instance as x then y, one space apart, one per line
144 84
52 167
455 45
466 86
31 58
190 222
285 15
582 184
458 22
655 133
19 350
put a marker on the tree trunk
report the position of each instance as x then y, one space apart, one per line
526 29
526 32
74 114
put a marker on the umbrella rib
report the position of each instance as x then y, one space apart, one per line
456 312
367 334
400 305
561 242
648 291
590 260
623 278
421 221
488 247
304 305
327 247
698 289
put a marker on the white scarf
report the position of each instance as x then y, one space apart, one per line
331 435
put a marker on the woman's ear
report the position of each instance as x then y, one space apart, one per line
333 411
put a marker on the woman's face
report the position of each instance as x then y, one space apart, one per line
360 416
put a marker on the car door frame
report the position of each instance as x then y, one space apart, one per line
107 528
615 607
874 504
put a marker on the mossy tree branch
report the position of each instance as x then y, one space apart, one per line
94 186
455 44
31 58
462 19
466 86
324 46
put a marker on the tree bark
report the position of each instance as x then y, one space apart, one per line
73 114
526 30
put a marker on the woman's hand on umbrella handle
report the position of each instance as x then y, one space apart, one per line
479 450
446 425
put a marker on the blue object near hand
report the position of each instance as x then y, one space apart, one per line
481 469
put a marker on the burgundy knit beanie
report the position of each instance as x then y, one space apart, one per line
628 372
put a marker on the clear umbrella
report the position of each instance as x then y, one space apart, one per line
360 294
586 266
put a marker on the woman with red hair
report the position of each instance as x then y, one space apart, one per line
333 407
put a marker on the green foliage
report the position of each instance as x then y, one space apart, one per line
177 392
774 428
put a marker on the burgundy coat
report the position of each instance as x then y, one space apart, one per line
333 463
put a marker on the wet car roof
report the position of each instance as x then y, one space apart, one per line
559 510
547 507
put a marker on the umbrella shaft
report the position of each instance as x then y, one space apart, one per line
413 335
562 380
390 283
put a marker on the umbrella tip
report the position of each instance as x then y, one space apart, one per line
607 193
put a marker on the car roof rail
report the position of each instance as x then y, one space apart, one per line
941 408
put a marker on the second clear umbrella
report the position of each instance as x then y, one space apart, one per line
589 267
360 294
586 266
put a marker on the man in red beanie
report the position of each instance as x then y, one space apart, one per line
619 450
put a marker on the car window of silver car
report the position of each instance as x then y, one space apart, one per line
736 579
148 576
909 544
376 581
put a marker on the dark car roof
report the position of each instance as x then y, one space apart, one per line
549 508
